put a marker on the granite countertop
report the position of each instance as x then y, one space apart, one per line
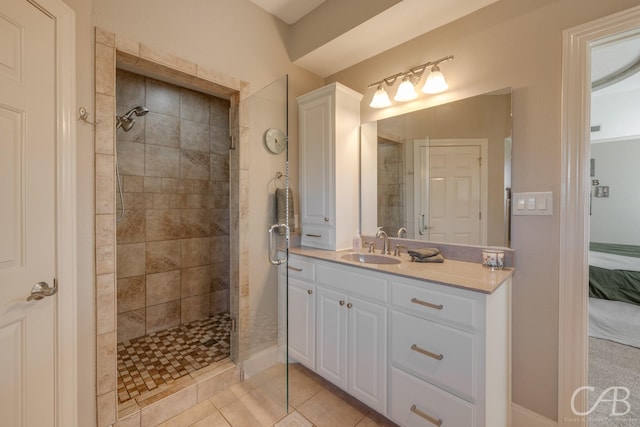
459 274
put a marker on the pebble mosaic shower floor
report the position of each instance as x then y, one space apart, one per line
147 362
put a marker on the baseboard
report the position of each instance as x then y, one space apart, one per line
523 417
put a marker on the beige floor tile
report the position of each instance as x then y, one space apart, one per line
238 415
191 415
294 419
214 420
265 406
302 386
223 398
375 420
327 409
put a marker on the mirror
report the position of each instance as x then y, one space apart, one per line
443 173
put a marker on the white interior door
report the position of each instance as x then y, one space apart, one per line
420 188
454 194
27 218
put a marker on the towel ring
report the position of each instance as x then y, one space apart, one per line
277 179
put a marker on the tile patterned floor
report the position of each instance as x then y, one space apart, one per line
259 401
147 362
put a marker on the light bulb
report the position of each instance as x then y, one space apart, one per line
435 82
380 98
406 91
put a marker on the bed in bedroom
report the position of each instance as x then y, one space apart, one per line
614 292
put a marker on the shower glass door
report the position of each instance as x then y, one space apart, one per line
259 300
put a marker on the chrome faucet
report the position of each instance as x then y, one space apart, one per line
400 231
385 241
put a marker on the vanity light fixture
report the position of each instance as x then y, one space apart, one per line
435 83
380 98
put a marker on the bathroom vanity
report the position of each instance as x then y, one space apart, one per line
423 344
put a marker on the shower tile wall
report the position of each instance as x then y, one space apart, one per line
391 200
173 242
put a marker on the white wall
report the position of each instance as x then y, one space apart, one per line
615 219
618 115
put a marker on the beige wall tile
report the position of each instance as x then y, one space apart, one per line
195 308
131 259
105 195
194 164
163 316
127 46
164 255
162 161
219 167
167 59
220 301
106 409
194 135
220 275
106 362
194 222
131 324
105 112
163 224
105 229
105 37
132 227
131 294
195 252
130 89
105 165
130 158
163 98
105 78
162 287
196 281
105 303
132 184
142 200
162 130
153 184
105 260
220 222
219 249
219 78
194 106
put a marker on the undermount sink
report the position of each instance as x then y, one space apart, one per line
371 259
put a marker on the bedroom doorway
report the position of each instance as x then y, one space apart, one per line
574 211
614 232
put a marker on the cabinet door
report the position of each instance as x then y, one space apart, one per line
331 336
367 355
301 324
316 161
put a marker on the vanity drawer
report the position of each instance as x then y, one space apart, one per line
439 354
351 280
316 237
412 401
300 268
420 300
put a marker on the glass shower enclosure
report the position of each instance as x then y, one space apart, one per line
259 308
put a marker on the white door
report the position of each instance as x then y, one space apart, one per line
27 217
421 187
454 194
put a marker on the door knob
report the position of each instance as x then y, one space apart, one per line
41 290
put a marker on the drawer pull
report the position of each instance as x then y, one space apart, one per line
427 352
294 268
349 305
314 235
341 302
427 417
427 304
309 291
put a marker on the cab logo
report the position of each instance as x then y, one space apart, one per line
617 396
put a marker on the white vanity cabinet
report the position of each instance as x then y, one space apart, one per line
418 352
329 120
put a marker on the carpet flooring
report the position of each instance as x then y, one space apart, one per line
614 365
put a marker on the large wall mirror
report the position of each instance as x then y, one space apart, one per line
443 173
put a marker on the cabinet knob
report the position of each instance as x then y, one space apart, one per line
326 219
309 291
341 302
349 305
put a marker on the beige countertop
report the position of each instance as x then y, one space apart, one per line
460 274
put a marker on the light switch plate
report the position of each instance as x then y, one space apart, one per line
536 203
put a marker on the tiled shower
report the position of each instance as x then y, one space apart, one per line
173 241
391 186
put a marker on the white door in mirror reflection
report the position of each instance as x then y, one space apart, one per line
450 193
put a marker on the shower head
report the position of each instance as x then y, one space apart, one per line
126 121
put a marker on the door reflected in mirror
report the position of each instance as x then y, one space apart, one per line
442 173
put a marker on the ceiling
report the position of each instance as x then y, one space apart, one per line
399 23
290 11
